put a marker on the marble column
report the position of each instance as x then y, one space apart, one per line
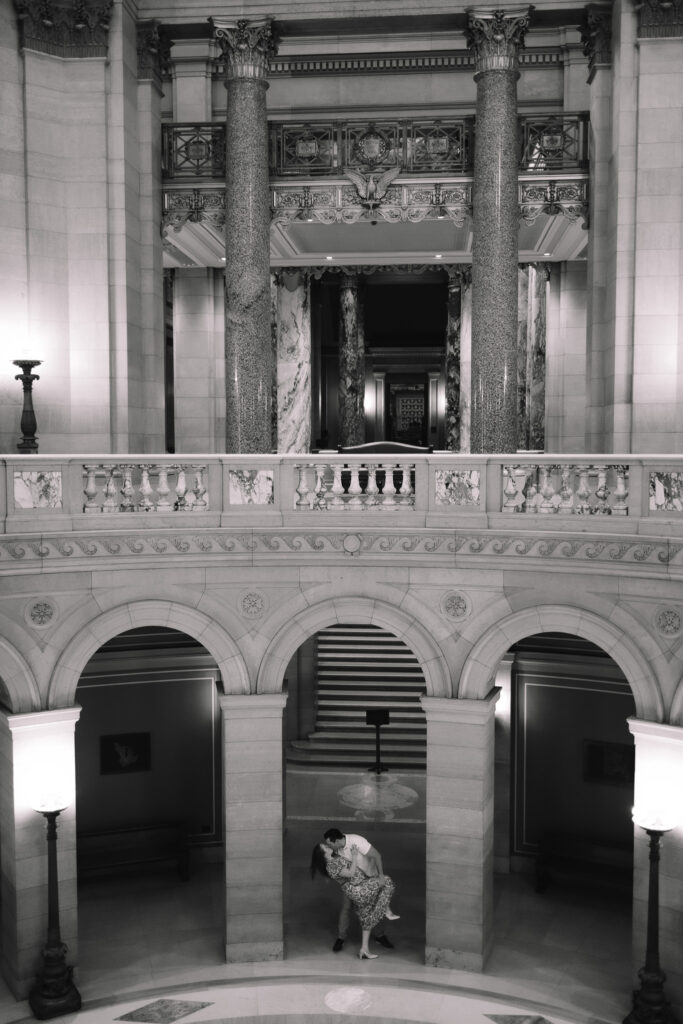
523 274
539 275
459 858
293 355
249 366
253 788
351 363
458 278
495 38
36 751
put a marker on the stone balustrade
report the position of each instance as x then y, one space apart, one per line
416 490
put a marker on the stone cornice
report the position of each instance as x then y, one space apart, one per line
64 28
248 47
496 38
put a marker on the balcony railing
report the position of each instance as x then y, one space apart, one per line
547 144
48 493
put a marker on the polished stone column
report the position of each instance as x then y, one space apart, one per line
539 275
249 365
495 38
458 278
351 363
293 340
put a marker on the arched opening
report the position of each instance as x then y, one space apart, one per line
355 742
149 803
564 791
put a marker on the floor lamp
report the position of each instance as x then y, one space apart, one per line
649 1003
54 992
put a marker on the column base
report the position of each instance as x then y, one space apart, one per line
253 952
454 959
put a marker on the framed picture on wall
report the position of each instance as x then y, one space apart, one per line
611 763
125 752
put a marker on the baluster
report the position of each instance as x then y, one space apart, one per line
566 492
372 490
602 493
583 506
355 490
320 500
199 490
90 490
127 505
146 504
180 489
337 500
547 490
389 494
163 490
110 503
302 489
620 508
405 491
531 491
510 489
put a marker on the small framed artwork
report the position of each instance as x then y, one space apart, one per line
124 753
611 763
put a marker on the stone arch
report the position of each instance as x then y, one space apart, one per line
132 615
18 686
484 658
330 611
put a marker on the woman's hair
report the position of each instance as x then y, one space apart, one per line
318 863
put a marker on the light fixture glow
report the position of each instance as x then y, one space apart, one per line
329 257
438 256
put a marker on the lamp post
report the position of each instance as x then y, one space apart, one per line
54 992
29 443
649 1003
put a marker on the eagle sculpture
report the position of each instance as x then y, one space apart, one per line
372 188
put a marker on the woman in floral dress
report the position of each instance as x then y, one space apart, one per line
371 898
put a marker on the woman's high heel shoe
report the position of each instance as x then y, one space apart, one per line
367 956
392 917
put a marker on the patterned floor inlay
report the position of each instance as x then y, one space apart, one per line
163 1011
521 1018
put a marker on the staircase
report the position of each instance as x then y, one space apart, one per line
362 667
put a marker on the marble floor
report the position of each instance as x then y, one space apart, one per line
150 946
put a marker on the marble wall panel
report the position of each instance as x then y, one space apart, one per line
250 487
293 361
38 489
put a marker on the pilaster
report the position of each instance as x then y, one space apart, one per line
459 831
351 363
292 324
37 759
253 786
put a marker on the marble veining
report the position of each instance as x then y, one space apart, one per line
293 327
453 383
250 487
37 489
666 492
351 364
459 487
163 1011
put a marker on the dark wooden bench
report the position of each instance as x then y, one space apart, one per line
564 856
126 848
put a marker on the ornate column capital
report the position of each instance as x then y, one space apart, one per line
659 19
247 46
64 28
154 50
596 36
496 37
459 276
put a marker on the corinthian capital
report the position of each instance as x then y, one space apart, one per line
596 36
64 28
659 19
496 37
247 46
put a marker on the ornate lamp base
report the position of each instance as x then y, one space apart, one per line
54 994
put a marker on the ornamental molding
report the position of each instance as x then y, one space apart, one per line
659 19
64 28
455 605
154 50
565 197
496 38
440 543
247 46
667 622
596 36
40 613
252 604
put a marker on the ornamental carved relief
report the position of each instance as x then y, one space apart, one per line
497 38
253 604
247 46
40 614
660 19
455 605
64 28
596 36
668 622
154 50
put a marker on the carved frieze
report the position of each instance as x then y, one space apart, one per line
247 46
64 28
567 198
496 38
660 19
